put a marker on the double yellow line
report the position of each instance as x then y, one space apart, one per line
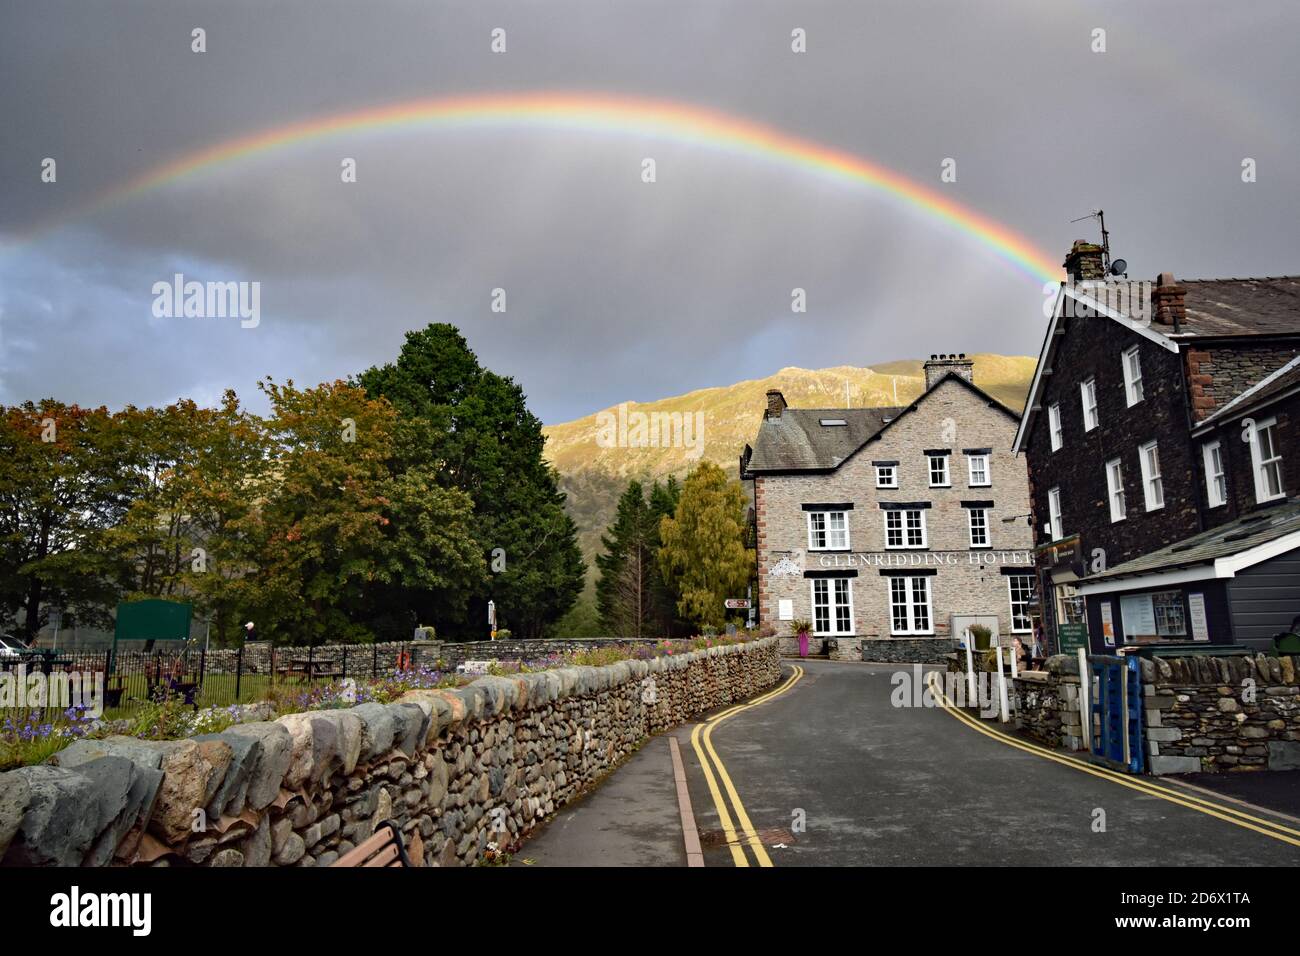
1141 784
702 734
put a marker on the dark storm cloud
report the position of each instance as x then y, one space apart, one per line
616 289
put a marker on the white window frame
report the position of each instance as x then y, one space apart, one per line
1054 432
1258 463
828 530
904 530
1131 361
947 470
910 603
1011 597
1216 476
832 605
893 473
988 470
1054 514
970 522
1115 490
1088 397
1153 486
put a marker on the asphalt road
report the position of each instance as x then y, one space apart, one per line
830 773
881 785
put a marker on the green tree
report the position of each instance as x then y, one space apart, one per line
342 534
473 427
625 589
703 555
60 488
663 504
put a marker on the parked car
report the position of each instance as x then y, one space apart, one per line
11 649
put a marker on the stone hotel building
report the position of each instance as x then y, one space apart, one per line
893 529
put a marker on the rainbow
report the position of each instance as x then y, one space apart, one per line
656 119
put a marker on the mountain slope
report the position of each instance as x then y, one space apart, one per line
594 476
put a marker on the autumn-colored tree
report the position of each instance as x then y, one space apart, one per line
702 553
341 528
59 489
194 478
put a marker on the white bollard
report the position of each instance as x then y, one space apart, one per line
971 693
1085 691
1002 689
1015 670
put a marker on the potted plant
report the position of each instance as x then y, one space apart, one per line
982 636
801 630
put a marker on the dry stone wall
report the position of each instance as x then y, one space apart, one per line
1200 713
1222 713
456 769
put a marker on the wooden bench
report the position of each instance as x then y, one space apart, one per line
384 849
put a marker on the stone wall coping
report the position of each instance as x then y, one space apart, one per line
237 774
1038 677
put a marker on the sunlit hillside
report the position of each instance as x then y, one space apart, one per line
594 476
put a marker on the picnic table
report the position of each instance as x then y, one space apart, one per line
312 667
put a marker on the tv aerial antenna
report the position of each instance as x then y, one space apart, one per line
1119 266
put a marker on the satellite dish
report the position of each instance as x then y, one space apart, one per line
1118 267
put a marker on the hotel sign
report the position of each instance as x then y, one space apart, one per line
1067 551
927 559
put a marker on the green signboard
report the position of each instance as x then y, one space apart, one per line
1071 637
152 620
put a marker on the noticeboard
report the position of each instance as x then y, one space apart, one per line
1071 637
152 620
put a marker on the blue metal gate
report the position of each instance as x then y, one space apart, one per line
1116 705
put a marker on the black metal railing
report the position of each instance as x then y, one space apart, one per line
218 677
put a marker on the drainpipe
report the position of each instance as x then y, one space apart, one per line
1187 415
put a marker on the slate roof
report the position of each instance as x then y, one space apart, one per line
797 441
1214 307
1245 533
1265 306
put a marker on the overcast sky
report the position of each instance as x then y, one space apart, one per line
616 289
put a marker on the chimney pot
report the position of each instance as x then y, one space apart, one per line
941 365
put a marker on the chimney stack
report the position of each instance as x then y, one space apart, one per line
775 403
941 365
1084 261
1168 301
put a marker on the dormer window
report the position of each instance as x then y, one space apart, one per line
1266 460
